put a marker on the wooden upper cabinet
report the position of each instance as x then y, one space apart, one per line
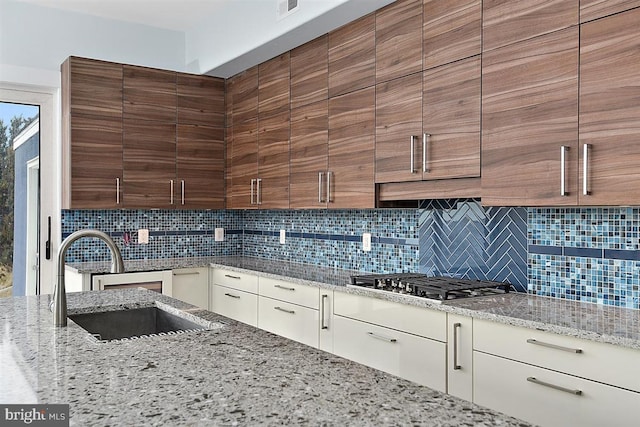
451 120
399 130
452 30
149 94
309 155
508 21
310 72
200 100
351 150
594 9
273 86
149 164
529 112
200 167
352 56
272 186
244 168
609 110
91 134
244 96
398 39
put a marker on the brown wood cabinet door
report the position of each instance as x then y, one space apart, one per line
398 40
452 120
272 190
508 21
609 110
200 167
352 56
529 111
309 156
95 88
244 169
149 94
398 139
594 9
351 150
149 164
452 30
244 95
309 72
273 86
200 100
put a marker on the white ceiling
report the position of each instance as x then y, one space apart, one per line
178 15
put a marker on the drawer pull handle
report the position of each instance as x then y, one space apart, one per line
554 346
284 287
456 364
323 308
381 337
553 386
232 277
232 296
185 273
284 310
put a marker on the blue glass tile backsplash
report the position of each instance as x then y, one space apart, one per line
586 254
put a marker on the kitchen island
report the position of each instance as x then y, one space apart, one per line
233 375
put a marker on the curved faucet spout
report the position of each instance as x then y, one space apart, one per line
59 303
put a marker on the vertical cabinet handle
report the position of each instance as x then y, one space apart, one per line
323 325
456 362
412 144
425 157
329 173
320 199
563 170
171 192
182 191
258 192
253 182
117 191
585 169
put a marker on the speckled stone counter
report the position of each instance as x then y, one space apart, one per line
232 375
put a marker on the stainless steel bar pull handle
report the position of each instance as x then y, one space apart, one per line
182 190
585 169
322 313
284 287
258 192
185 273
563 170
553 386
456 364
232 296
232 277
320 182
329 173
171 191
117 191
412 143
554 346
284 310
425 147
381 337
253 182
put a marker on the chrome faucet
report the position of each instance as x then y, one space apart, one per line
59 303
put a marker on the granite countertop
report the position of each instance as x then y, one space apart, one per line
232 375
607 324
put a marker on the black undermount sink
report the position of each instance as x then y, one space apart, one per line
135 323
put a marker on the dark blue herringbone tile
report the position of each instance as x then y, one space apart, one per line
460 238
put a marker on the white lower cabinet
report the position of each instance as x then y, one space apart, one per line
550 398
235 304
291 321
460 356
191 285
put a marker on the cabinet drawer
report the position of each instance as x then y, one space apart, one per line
503 385
597 361
289 292
408 356
289 320
235 280
414 320
235 304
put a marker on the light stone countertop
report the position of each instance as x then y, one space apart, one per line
233 375
607 324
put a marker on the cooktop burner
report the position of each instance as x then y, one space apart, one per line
436 288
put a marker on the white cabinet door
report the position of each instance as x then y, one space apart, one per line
549 398
326 326
234 304
417 359
460 356
288 320
191 285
